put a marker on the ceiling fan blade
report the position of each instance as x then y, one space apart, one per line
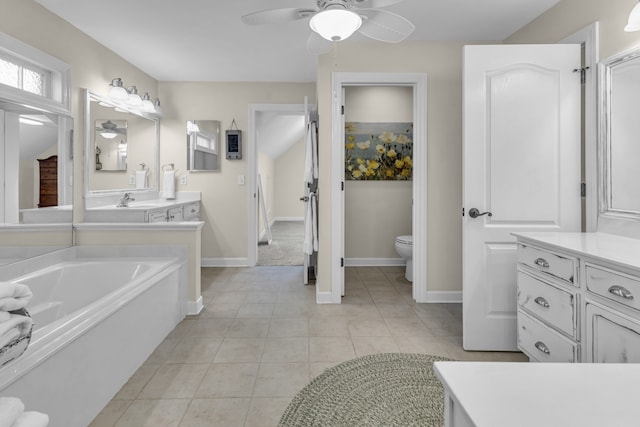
317 45
374 4
385 26
277 16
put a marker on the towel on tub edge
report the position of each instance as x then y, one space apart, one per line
10 410
17 326
32 419
14 296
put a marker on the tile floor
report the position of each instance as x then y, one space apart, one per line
261 338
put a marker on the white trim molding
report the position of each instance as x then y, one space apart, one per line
444 297
374 262
224 262
195 307
324 298
418 81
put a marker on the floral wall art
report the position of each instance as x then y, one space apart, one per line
378 151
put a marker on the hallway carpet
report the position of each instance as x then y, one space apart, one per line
286 246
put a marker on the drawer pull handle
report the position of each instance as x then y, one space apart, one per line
541 262
621 292
542 302
542 347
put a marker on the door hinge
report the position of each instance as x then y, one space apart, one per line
342 185
583 74
341 262
462 211
583 189
342 109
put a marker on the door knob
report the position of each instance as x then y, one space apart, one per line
475 213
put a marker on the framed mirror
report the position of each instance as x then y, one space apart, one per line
203 145
619 145
118 142
111 145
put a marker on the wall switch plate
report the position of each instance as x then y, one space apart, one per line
183 179
132 179
240 179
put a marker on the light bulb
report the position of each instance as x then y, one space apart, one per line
335 24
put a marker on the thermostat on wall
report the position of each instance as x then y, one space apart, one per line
234 144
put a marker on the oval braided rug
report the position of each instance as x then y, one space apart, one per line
390 389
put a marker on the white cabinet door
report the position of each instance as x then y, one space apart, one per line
611 338
521 162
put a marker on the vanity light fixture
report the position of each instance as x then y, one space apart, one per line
147 105
634 19
127 99
335 23
117 90
192 127
134 99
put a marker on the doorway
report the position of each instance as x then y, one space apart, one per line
275 152
417 82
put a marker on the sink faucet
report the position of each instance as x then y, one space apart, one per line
124 201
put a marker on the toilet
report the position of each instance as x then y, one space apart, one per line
404 248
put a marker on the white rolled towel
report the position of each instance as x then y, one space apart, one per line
14 296
8 329
169 185
141 179
32 419
10 410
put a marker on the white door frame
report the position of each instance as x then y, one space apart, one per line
419 221
588 37
252 156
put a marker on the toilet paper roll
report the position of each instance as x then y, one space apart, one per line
141 179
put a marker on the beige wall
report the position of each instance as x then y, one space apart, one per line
377 211
224 202
289 187
442 62
569 16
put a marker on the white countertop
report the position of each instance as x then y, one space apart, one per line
624 251
544 394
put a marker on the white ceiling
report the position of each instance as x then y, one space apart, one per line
204 40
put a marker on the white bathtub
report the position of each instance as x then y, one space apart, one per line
96 321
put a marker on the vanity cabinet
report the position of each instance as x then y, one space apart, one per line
578 297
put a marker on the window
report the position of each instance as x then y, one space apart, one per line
27 77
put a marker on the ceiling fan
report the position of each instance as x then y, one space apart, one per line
335 20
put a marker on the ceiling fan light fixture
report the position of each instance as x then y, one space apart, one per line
335 24
634 19
109 130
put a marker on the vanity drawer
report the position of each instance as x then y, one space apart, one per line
547 302
614 286
157 216
542 343
546 262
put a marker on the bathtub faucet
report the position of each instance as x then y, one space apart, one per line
124 202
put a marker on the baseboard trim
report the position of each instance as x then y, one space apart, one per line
288 218
195 307
224 262
374 262
325 298
444 297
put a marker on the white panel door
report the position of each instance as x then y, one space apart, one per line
521 165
